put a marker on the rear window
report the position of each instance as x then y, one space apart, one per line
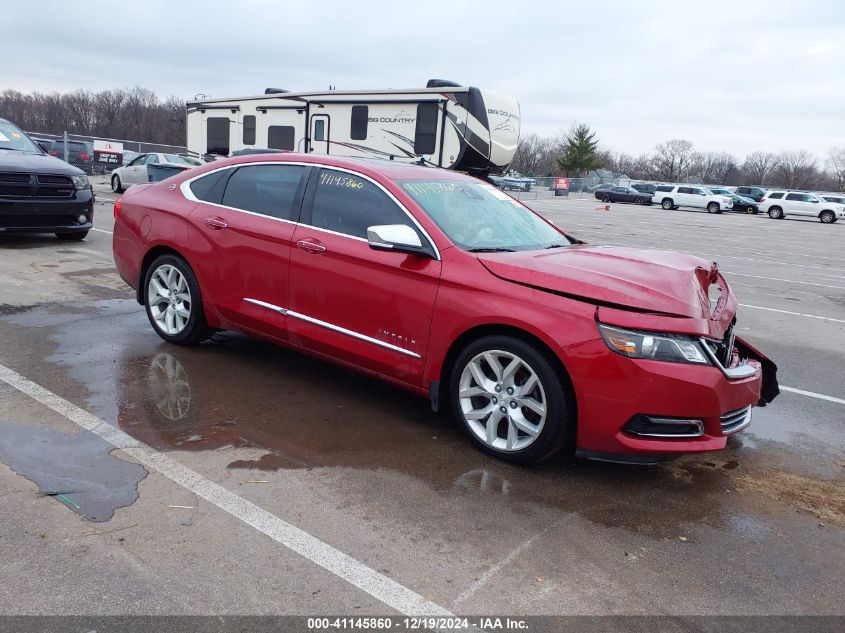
776 196
664 188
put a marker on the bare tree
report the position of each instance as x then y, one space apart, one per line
796 170
836 163
759 167
717 168
136 114
673 160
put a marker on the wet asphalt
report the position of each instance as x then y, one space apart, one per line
758 528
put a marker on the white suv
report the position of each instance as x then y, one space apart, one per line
779 204
674 196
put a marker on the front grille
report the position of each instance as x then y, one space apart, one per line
737 420
50 179
37 220
14 185
13 191
14 178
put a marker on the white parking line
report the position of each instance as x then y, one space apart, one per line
812 394
103 231
809 316
379 586
791 281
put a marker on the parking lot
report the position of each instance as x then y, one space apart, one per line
249 479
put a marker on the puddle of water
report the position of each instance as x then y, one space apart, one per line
77 470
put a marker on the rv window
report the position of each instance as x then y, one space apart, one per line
360 118
319 129
266 189
425 137
218 135
249 129
349 204
281 137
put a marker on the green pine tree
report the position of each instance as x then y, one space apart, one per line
580 151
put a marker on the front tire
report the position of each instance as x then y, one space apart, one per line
776 213
116 185
605 198
173 301
713 207
509 398
827 217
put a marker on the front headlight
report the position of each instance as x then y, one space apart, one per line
674 348
81 182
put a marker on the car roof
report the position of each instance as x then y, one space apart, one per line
392 170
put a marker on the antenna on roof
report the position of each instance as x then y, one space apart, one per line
331 87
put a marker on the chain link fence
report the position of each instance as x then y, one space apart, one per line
79 151
525 188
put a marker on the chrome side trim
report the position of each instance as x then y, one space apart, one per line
333 327
269 306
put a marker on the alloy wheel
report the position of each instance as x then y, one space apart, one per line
169 299
502 400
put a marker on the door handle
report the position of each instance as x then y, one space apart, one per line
216 223
311 246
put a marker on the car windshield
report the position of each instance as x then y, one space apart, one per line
12 138
178 160
478 217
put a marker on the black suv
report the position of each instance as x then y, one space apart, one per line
40 193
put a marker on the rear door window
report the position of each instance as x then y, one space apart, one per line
795 197
271 190
776 196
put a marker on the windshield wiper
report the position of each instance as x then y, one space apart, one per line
557 246
492 249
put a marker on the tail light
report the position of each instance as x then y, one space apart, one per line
83 157
117 204
53 152
762 200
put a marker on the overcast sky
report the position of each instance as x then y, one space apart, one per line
735 76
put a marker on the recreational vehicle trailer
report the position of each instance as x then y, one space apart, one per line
444 124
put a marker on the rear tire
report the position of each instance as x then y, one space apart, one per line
827 217
72 237
605 198
186 324
668 203
116 185
776 213
481 387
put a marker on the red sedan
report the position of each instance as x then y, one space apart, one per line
443 285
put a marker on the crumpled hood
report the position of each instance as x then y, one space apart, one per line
653 281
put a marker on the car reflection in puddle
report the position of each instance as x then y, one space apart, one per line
241 393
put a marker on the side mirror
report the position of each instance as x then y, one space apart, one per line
395 237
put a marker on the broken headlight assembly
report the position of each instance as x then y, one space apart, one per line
673 348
